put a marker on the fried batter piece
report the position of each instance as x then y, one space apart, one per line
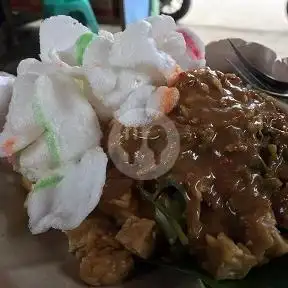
118 201
27 185
225 259
105 267
138 236
103 261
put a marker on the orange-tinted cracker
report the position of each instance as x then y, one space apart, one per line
173 78
169 99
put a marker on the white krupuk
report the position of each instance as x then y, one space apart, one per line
52 108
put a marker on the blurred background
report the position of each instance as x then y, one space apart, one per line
263 21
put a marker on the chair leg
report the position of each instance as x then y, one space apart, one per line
154 7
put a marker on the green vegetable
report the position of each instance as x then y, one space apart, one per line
273 151
201 284
50 135
169 182
285 154
259 164
272 275
165 225
172 222
272 183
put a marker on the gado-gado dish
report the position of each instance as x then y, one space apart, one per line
134 149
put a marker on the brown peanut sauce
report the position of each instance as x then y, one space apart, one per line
224 163
221 124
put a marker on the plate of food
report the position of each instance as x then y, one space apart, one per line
129 152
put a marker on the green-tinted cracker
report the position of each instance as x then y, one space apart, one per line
51 182
81 45
49 133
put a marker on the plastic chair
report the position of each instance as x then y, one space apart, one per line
154 7
78 9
